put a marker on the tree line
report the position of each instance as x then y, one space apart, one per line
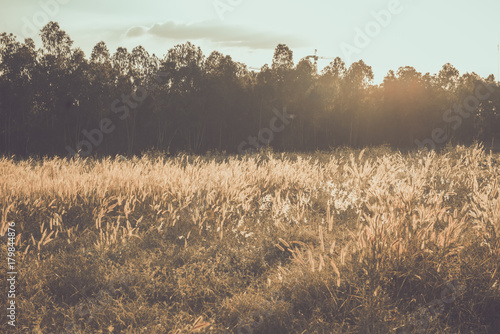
56 101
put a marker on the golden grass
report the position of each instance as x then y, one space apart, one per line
352 241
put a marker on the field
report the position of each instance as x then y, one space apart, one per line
348 241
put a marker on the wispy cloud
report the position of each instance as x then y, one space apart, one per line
223 34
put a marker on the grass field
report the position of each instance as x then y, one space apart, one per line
371 241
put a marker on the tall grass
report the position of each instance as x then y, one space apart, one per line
345 242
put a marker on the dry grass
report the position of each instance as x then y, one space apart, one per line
344 242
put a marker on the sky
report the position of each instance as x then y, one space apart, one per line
385 34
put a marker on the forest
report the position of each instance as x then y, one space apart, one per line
55 101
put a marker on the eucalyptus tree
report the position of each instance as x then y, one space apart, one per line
17 64
355 86
184 63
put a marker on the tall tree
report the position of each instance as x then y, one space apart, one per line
356 84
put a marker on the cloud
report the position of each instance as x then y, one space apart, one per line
136 32
213 31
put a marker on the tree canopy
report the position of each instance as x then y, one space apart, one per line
54 101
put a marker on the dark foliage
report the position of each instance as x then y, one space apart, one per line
55 101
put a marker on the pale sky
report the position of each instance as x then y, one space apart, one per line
424 34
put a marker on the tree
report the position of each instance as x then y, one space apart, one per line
185 63
332 99
17 63
283 58
356 83
56 42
